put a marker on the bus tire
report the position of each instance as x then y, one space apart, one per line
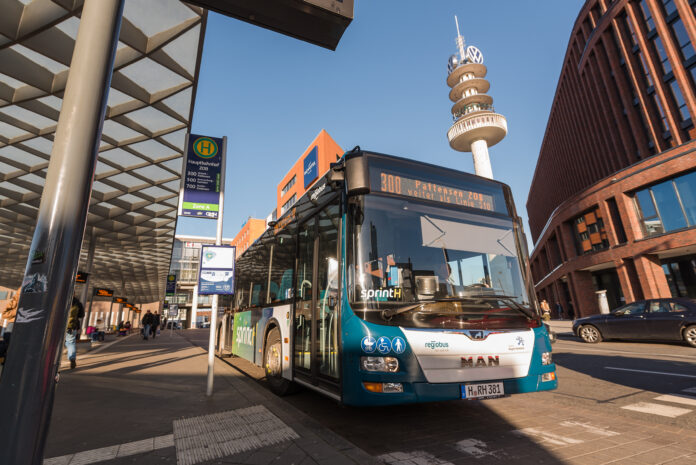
273 363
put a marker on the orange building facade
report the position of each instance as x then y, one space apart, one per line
314 162
251 231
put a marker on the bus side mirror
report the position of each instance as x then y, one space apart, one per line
356 175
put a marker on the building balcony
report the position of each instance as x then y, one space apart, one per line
484 125
463 105
481 85
478 70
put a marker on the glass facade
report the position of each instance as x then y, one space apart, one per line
681 275
668 206
590 235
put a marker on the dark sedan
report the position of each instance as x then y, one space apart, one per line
656 319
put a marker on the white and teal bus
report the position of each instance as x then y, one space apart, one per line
393 281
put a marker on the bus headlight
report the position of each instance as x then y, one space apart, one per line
546 358
388 364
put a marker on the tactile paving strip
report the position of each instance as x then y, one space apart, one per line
210 437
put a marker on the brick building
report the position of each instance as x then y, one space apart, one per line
612 205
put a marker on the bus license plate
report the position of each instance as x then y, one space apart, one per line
482 391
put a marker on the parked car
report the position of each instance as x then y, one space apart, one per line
656 319
174 324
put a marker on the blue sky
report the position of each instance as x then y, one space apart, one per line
383 89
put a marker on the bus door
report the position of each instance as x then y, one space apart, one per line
316 338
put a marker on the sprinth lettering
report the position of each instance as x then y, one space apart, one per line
493 361
393 293
245 335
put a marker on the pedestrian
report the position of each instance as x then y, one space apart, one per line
8 316
559 310
155 324
98 334
147 324
77 312
545 310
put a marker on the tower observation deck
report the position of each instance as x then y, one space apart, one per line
476 124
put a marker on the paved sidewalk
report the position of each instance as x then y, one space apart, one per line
144 402
561 327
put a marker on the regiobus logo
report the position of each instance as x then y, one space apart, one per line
393 293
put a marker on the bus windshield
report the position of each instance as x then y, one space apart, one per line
417 264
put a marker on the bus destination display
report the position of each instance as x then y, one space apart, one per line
400 185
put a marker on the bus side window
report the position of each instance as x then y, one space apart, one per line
282 267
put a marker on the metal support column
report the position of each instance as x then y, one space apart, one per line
27 386
214 309
108 318
85 289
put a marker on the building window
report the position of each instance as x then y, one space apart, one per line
646 70
679 99
647 15
669 7
287 187
668 206
663 118
286 206
666 66
687 50
590 235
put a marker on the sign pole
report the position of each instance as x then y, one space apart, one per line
214 309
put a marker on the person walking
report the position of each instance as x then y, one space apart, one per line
155 323
147 324
559 310
8 316
545 310
77 312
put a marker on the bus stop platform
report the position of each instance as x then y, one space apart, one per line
144 402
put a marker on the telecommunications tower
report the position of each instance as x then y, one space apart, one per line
476 124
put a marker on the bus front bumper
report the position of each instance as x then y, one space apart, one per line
437 392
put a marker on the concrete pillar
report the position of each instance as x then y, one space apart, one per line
652 277
482 161
28 380
194 307
85 288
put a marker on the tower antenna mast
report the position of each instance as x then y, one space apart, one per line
460 42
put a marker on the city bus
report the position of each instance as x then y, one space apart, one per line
393 281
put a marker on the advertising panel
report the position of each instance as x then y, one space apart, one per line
311 166
244 335
216 274
171 285
202 180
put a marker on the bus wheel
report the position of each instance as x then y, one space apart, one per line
273 364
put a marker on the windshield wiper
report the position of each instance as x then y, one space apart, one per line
390 312
510 299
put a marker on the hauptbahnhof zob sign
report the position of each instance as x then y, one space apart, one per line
203 165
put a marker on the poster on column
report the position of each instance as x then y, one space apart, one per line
216 274
202 177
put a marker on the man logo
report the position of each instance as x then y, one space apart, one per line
478 335
493 361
